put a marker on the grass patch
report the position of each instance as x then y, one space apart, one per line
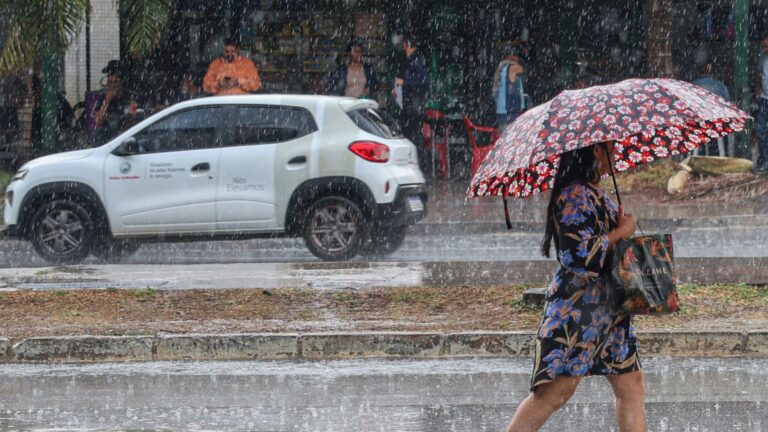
145 294
28 313
5 178
733 295
307 314
648 176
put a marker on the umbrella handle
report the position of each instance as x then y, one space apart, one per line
506 213
616 187
613 176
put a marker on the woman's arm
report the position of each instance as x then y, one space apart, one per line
583 243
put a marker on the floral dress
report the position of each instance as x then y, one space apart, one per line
580 333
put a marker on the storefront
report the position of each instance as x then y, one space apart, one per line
297 44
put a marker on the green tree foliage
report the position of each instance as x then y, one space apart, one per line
38 27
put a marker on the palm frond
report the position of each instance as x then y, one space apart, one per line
145 21
14 55
39 27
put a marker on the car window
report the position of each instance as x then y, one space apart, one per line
250 125
371 121
192 129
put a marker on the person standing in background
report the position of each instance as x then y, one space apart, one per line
414 79
761 123
708 82
509 88
354 78
114 109
231 74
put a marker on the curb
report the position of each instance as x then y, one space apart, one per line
330 346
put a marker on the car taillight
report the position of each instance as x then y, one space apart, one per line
370 151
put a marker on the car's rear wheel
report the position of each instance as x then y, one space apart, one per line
384 241
62 232
115 250
334 229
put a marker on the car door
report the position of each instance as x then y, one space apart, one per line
265 155
170 185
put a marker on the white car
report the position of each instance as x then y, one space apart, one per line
327 169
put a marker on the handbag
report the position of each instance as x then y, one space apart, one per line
642 273
643 276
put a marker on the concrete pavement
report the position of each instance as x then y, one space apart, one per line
415 395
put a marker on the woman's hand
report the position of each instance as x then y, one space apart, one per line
627 224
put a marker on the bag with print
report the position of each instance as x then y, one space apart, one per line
643 275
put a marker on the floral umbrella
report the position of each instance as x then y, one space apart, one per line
649 119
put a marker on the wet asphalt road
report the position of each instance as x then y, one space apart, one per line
364 395
725 241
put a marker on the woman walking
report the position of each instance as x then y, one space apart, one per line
580 333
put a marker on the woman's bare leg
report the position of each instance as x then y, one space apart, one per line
542 403
629 390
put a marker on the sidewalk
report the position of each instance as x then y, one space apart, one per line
450 211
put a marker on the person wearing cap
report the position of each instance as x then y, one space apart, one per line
191 84
113 109
509 87
231 74
414 81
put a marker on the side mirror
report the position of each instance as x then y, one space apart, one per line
127 148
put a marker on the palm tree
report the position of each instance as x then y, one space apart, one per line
40 30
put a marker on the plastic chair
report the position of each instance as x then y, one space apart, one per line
479 151
436 131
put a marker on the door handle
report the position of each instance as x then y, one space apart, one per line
297 160
201 167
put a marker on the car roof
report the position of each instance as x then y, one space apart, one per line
305 101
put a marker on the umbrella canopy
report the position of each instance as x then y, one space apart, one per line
649 119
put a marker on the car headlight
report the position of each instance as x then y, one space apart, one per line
20 174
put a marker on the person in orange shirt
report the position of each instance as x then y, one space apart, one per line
231 74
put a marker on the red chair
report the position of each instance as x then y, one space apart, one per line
436 131
479 151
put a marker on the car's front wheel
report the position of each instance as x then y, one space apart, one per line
334 229
384 241
62 232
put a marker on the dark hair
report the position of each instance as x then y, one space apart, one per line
112 67
509 50
353 44
577 166
410 40
230 41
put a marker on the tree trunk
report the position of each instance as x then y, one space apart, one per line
660 64
25 122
